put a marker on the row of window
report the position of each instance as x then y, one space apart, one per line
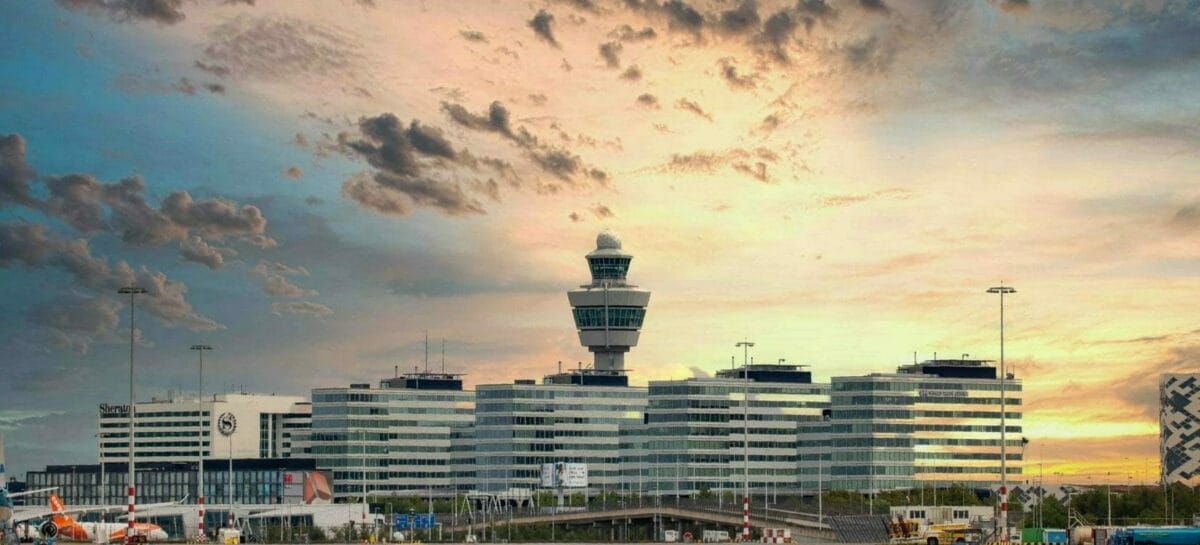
613 317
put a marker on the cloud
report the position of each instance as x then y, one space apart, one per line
281 48
751 162
75 321
611 53
874 6
1015 6
633 73
871 55
214 69
405 158
837 201
626 33
15 174
302 308
776 32
560 162
294 173
575 217
166 12
473 36
601 211
196 250
275 283
730 74
31 245
741 19
1187 217
542 25
690 106
648 100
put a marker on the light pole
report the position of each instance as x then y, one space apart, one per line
745 346
1003 290
131 491
203 425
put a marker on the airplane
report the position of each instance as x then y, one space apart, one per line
70 530
36 522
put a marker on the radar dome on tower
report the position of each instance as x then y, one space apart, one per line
608 240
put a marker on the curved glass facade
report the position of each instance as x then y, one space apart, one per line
618 317
609 268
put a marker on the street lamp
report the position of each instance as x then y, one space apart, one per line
131 291
1003 290
745 346
200 348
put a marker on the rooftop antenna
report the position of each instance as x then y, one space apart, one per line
396 371
914 357
427 351
443 356
560 367
732 363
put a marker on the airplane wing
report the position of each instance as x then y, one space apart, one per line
33 513
28 492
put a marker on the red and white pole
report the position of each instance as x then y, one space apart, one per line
1003 514
129 531
200 537
746 519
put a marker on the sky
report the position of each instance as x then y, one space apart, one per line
311 187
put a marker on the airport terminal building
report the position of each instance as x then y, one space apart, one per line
934 423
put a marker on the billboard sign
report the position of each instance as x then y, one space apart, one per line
307 487
565 475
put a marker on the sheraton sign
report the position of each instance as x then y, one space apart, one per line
114 410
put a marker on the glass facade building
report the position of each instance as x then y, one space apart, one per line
1179 428
573 417
399 438
695 430
935 423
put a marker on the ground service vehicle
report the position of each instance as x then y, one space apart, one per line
1156 536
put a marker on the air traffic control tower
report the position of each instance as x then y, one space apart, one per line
608 312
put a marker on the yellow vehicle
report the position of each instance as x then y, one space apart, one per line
910 532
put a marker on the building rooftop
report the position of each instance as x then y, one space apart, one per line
763 372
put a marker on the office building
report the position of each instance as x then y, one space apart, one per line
1179 425
255 481
573 417
608 312
395 439
176 428
935 423
694 433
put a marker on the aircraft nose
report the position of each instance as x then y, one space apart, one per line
158 535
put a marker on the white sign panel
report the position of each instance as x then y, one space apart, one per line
564 475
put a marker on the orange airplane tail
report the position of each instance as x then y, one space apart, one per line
60 519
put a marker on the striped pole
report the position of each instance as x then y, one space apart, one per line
746 519
200 537
1003 514
129 531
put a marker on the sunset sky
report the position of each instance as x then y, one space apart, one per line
310 186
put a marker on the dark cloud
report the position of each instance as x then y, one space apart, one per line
756 170
553 160
302 308
815 9
874 6
690 106
281 48
626 33
167 12
648 100
741 19
575 217
602 212
542 25
684 16
215 218
611 53
196 250
214 69
730 74
15 174
633 73
776 33
31 245
473 36
294 173
538 99
585 5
